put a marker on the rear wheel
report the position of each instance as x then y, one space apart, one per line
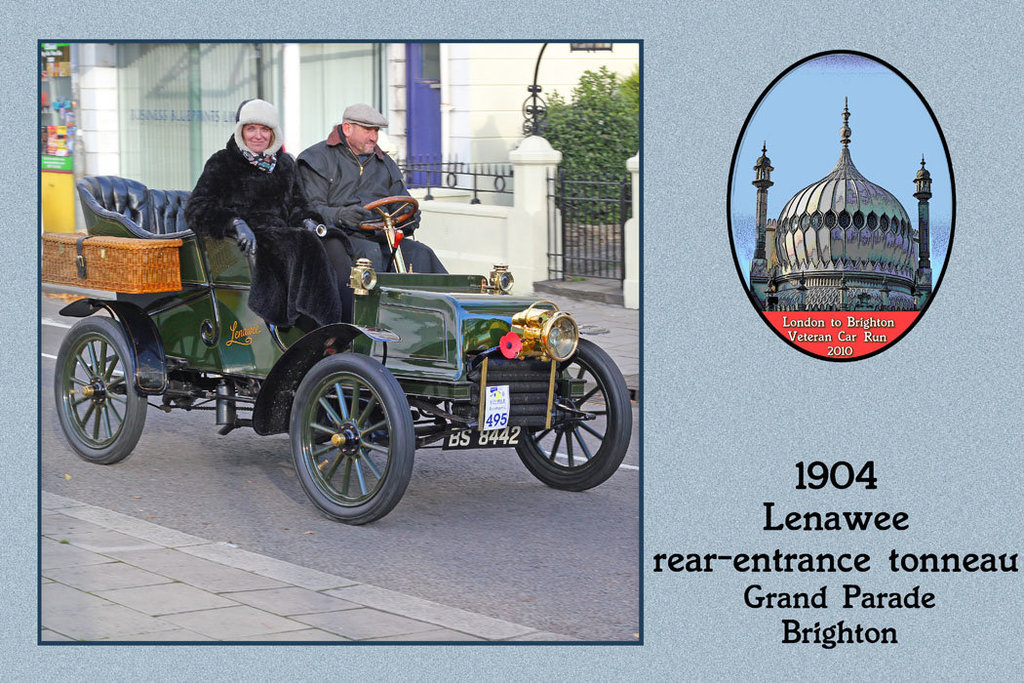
580 454
99 411
352 438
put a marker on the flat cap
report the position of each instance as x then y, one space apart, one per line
364 115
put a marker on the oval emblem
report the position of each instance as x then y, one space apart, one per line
841 205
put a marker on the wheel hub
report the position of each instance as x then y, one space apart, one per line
96 391
346 440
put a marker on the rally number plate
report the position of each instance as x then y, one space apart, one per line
496 407
472 438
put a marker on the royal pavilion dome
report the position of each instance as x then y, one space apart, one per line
846 223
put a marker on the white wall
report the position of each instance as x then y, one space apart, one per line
471 238
468 238
488 84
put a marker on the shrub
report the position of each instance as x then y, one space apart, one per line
630 89
599 129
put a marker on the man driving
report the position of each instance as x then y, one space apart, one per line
347 171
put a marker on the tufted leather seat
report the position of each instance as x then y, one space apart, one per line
167 211
128 203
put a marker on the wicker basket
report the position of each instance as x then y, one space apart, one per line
117 264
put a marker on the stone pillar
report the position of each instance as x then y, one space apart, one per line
291 106
98 111
97 140
631 244
532 162
394 110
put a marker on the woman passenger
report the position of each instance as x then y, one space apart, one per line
250 192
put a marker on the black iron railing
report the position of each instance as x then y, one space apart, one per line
586 227
433 172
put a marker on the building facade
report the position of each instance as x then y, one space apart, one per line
156 111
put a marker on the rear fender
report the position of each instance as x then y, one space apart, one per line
273 406
147 348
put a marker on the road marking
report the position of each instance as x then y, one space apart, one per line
55 323
563 460
46 355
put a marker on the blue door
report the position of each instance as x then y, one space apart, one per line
423 78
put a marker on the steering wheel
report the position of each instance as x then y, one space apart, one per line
406 209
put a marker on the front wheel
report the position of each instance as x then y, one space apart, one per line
352 438
99 411
581 453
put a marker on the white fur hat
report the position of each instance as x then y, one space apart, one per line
261 112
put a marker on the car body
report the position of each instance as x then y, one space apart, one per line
430 360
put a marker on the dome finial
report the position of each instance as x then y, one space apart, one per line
922 161
764 148
845 131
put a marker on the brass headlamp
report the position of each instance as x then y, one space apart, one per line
546 332
363 277
500 279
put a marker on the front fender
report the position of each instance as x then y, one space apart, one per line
147 348
273 406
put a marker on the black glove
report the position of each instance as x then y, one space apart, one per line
244 236
319 229
351 216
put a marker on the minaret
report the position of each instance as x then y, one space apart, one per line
923 182
758 265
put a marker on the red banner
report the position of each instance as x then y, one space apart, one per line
841 335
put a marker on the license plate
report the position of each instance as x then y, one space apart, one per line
472 438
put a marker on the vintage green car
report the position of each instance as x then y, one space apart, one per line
449 361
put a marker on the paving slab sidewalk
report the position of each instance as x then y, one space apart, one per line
108 577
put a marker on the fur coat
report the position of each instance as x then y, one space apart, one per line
291 274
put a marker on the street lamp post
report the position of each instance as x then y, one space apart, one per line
535 109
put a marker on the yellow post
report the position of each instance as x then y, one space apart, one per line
58 201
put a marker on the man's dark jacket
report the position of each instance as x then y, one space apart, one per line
333 177
291 274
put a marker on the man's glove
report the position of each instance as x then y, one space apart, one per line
351 216
244 236
319 229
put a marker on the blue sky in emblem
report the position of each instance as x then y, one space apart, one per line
800 120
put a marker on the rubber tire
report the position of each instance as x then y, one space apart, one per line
618 427
394 477
125 436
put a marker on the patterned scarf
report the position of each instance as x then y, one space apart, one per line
264 162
